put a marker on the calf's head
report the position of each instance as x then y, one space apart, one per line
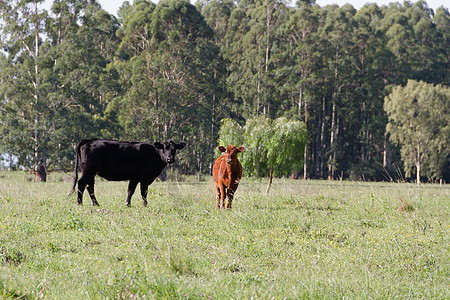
231 153
168 150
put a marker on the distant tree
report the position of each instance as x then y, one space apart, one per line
169 72
418 121
54 84
272 147
285 148
23 81
83 42
442 21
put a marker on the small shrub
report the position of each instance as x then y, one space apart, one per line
404 205
71 223
366 171
11 257
233 268
11 294
182 265
172 175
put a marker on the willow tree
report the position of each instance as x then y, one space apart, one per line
273 147
418 121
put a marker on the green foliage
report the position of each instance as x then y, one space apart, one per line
230 133
287 145
257 134
54 83
418 121
169 67
279 144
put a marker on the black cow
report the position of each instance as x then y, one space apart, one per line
118 161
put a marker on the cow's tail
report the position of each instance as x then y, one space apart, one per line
77 161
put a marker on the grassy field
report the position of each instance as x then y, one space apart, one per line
306 239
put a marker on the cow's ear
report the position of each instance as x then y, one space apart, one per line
158 145
180 145
222 149
241 148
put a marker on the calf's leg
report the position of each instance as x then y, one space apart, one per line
229 199
230 196
217 196
222 196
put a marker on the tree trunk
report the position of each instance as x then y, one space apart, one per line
322 139
418 163
270 178
40 172
305 155
418 173
333 150
385 164
200 167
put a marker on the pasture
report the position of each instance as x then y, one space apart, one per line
306 239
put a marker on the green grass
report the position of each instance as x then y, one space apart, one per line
306 239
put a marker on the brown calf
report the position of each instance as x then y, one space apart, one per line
227 173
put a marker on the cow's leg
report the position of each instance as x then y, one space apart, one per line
87 181
217 196
90 188
144 191
80 189
222 196
131 188
230 196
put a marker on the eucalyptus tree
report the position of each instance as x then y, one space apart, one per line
252 40
83 42
418 121
425 56
297 61
138 102
364 114
23 79
413 40
337 30
442 21
217 14
169 73
55 81
301 33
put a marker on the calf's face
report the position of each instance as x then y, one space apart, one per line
231 153
168 150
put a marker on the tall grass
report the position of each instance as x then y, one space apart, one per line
306 239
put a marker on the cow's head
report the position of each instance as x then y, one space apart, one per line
168 150
231 152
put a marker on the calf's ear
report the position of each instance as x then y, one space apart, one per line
180 145
241 148
222 149
158 145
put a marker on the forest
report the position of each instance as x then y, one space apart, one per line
371 85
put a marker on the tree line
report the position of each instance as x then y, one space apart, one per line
174 70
